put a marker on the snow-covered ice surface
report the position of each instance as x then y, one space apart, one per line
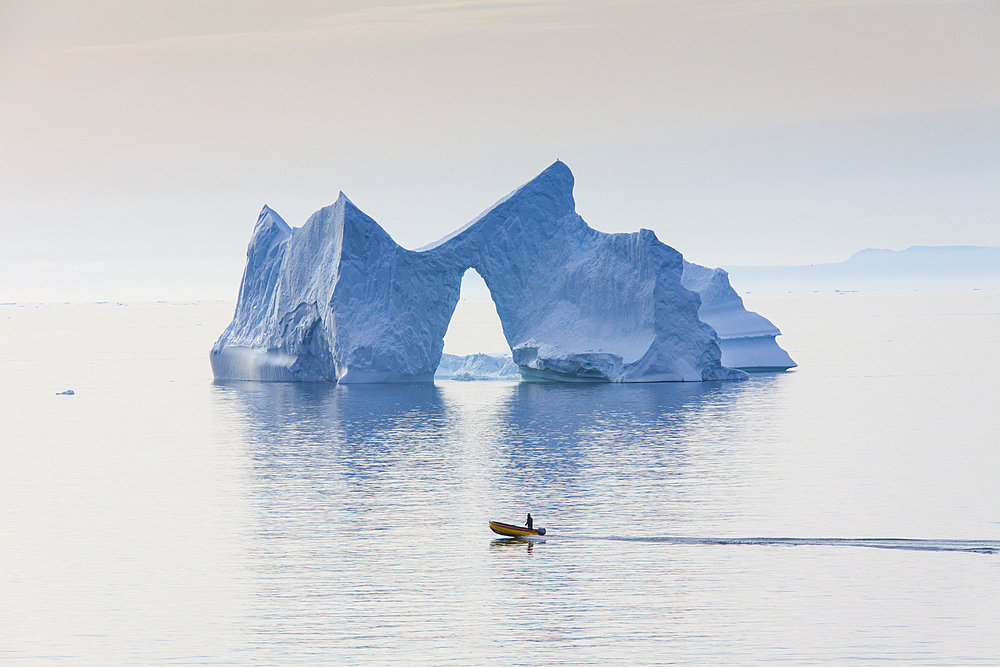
339 300
748 339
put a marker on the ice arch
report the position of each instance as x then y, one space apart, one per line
475 326
339 300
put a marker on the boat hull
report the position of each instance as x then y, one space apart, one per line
508 530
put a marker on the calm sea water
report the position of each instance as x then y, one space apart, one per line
846 512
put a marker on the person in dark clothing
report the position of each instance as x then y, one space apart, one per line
529 522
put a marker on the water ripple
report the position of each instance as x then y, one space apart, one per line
976 546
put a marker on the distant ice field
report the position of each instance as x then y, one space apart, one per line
844 512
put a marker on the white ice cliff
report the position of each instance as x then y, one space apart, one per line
337 300
747 338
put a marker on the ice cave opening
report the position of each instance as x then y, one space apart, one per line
474 345
475 326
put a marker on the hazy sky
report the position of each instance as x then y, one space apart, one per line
138 141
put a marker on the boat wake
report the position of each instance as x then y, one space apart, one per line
973 546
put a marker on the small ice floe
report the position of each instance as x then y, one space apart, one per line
68 392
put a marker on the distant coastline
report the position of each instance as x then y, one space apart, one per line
916 268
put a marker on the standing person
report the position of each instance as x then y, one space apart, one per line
529 522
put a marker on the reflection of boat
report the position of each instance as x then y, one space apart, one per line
498 543
509 530
512 541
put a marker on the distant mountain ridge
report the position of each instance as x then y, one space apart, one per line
873 269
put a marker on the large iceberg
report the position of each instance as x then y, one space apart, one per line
747 338
337 300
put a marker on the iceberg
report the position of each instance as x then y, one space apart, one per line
748 339
337 300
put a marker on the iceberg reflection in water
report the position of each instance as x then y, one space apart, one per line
372 503
157 517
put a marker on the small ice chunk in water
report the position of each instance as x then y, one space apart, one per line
68 392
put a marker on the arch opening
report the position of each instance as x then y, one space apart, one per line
475 326
474 344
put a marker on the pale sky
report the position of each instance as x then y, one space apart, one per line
138 141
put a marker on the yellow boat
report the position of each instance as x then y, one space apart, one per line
508 530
